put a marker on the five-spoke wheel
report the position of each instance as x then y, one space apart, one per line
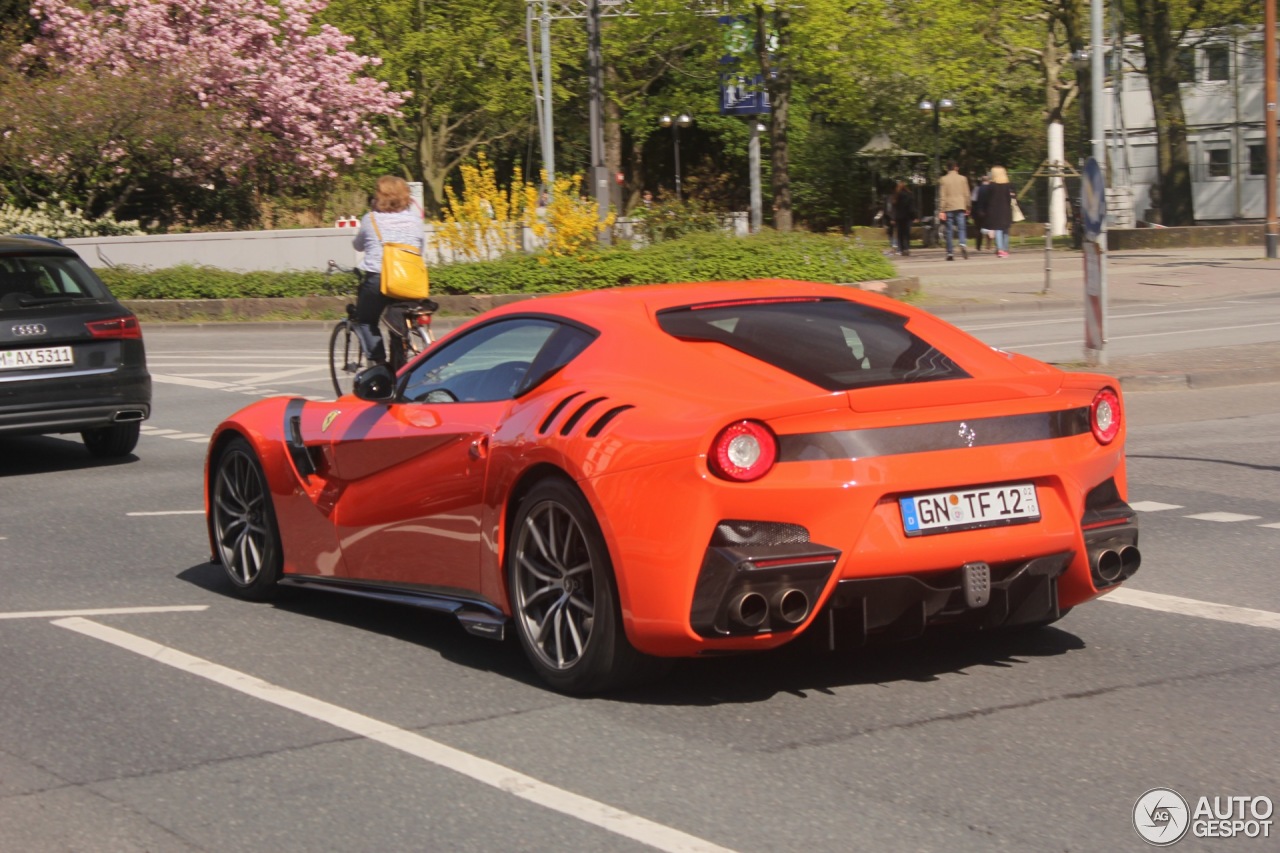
244 522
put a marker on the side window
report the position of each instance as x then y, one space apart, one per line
1218 161
1217 62
485 365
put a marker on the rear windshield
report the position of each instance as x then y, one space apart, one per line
44 279
835 344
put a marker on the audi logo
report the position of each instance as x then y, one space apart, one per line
25 330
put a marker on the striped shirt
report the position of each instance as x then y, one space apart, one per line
404 226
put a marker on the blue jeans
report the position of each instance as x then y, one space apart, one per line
1002 241
954 220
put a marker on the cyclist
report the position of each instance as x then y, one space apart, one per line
394 220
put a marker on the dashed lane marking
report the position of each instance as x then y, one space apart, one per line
1193 607
479 769
102 611
1153 506
169 512
1225 517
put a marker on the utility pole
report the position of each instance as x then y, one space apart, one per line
1269 121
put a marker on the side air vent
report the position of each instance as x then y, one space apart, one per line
603 420
577 416
555 413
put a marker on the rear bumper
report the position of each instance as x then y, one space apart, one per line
65 405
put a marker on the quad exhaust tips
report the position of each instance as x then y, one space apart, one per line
788 608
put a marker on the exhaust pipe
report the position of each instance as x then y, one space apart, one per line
127 416
1107 564
791 606
749 609
1130 560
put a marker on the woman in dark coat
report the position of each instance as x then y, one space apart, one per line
998 208
904 214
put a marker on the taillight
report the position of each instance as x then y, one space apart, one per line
743 451
424 320
1104 415
116 327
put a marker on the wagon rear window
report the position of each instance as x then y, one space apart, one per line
835 344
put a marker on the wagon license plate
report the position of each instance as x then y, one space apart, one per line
968 509
16 359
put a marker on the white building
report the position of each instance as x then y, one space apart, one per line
1222 95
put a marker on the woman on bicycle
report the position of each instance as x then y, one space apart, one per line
394 220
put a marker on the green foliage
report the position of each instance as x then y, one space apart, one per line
697 257
671 220
200 282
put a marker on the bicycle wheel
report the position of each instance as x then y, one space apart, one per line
346 357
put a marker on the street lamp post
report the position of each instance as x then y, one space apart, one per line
944 105
675 123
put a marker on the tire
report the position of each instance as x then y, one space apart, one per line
244 523
112 441
564 598
346 357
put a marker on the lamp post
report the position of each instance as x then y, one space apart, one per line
944 105
675 123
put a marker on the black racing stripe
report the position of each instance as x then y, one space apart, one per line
921 438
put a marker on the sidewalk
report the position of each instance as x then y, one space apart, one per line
985 283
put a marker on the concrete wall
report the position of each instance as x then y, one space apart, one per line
1198 235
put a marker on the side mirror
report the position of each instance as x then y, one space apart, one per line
376 384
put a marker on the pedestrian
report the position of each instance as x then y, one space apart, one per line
885 217
953 189
978 206
999 209
391 220
904 215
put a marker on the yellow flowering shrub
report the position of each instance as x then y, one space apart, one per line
486 220
571 223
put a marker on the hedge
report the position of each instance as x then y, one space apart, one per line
698 257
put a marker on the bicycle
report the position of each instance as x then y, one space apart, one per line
406 331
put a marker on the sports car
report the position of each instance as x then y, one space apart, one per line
625 476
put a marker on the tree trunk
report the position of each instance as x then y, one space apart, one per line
777 76
1160 51
613 137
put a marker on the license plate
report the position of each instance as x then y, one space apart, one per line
968 509
16 359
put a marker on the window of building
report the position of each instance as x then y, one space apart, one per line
1217 60
1258 161
1187 65
1219 162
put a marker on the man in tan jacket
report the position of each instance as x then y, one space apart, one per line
953 189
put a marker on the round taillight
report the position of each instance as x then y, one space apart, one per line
743 451
1104 415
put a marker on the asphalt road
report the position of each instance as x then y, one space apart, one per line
328 724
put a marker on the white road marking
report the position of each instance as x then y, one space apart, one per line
169 512
1114 338
481 770
1077 319
186 436
102 611
1194 607
1225 517
1152 506
1274 526
183 380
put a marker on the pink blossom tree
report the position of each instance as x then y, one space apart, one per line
292 102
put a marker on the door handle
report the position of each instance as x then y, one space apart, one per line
479 448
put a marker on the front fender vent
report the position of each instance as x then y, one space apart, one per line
577 416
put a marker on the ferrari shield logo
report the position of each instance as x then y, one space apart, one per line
329 419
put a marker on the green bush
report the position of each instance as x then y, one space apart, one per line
671 220
200 282
696 257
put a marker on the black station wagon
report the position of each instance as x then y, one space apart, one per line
71 356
